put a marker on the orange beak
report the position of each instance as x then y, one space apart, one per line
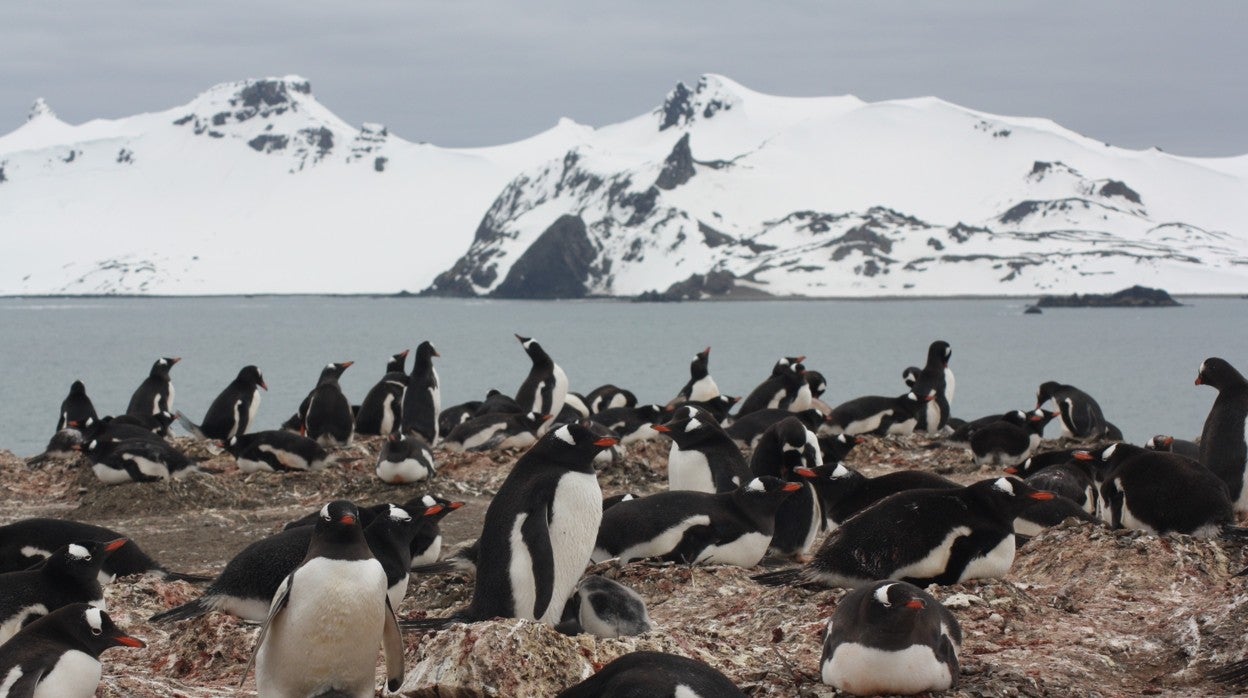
1042 496
916 604
347 364
791 487
113 545
263 385
1083 456
435 509
806 473
455 505
1012 470
606 441
547 417
661 428
1199 380
347 520
128 641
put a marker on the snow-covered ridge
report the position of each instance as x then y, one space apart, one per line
256 187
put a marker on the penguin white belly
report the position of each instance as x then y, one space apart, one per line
993 565
661 544
75 675
407 470
576 513
560 393
238 415
703 389
148 467
745 551
904 428
936 559
397 591
110 476
617 400
1089 500
248 465
645 433
522 440
802 400
933 417
435 396
689 470
253 408
254 610
867 425
387 415
950 385
774 402
168 401
1023 527
14 623
863 670
10 680
1129 519
1241 504
520 572
329 633
431 554
484 436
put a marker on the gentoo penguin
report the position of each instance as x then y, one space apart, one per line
835 448
1223 448
70 575
59 654
936 376
844 491
785 447
748 429
1007 441
1165 442
328 618
608 502
496 402
606 397
76 407
136 460
426 545
703 457
701 387
546 386
1081 416
233 410
61 445
1158 493
422 400
276 450
328 418
455 415
923 537
495 431
890 637
729 528
155 394
717 407
539 531
382 410
404 458
604 608
785 387
28 541
574 408
879 415
654 674
119 428
1069 479
632 424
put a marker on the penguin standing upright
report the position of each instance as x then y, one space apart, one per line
546 386
1223 448
70 575
891 637
155 394
328 418
1081 416
422 399
76 407
701 387
703 457
539 531
786 446
59 654
783 388
329 617
936 376
382 410
233 410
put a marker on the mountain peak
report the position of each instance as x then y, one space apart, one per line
39 110
712 94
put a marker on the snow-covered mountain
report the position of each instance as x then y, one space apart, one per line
255 187
838 197
252 187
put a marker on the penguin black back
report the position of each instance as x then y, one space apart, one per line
235 408
381 412
1223 443
422 400
703 457
654 674
155 394
76 407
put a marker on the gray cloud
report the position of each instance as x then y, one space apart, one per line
475 73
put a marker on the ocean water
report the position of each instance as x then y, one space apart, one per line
1139 364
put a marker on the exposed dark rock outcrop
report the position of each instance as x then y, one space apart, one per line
1115 188
1134 297
555 266
678 167
677 108
267 143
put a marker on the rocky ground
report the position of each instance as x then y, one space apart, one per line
1085 611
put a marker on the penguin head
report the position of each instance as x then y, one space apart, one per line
89 628
1160 442
1023 469
688 424
425 352
332 372
160 369
77 389
1045 392
1016 417
765 493
338 519
533 349
397 363
788 364
818 384
574 444
83 559
432 508
938 353
250 375
698 368
1006 496
910 375
1219 374
895 605
651 414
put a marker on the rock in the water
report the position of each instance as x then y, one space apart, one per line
1134 297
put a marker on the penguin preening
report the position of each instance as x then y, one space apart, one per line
422 399
1223 443
58 655
1165 442
546 386
329 617
890 637
233 410
604 608
381 412
1081 416
155 394
606 397
328 418
76 407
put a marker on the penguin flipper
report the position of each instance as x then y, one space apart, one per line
171 576
535 531
25 686
280 600
392 642
186 611
191 427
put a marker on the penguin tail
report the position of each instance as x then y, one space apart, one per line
191 427
1236 532
170 576
446 566
186 611
780 578
429 624
1235 674
35 461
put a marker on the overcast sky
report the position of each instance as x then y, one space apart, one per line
462 73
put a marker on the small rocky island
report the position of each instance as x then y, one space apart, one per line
1134 297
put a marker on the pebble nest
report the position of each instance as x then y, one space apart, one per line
1085 611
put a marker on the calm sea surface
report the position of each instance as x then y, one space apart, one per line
1139 364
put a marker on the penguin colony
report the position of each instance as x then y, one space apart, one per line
767 481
